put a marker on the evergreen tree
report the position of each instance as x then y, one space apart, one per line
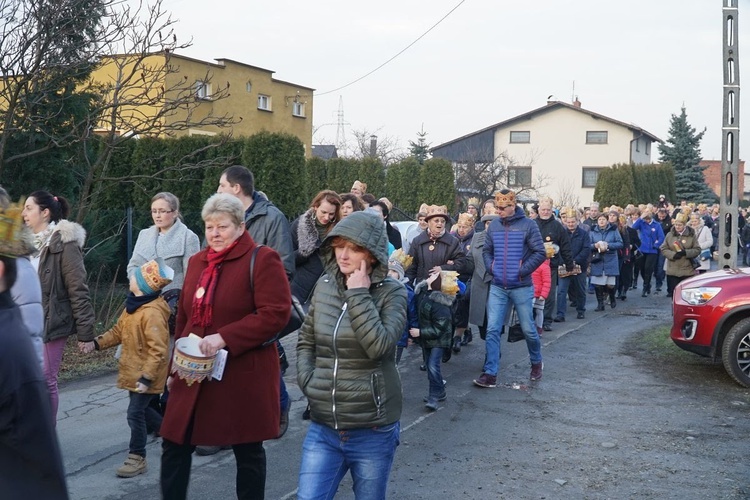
420 149
682 150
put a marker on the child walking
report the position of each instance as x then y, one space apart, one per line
436 297
144 334
397 263
542 279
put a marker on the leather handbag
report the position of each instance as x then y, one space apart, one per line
297 316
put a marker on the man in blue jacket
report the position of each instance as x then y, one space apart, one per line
652 236
513 249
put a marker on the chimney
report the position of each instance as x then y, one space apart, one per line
577 103
373 146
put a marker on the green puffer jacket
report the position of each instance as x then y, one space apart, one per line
346 364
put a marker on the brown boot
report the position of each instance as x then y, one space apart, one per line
134 465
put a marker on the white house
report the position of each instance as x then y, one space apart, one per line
558 149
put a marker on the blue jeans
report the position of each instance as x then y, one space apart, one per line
434 360
497 305
283 394
140 417
327 454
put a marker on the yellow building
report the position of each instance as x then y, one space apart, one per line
169 94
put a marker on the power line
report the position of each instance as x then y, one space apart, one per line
394 57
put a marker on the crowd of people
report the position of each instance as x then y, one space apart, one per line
368 292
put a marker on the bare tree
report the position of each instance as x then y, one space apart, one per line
567 194
145 93
481 172
387 148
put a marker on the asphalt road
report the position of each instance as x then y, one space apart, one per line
606 421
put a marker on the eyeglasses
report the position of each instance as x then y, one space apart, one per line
161 212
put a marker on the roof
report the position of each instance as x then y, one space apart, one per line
324 151
551 106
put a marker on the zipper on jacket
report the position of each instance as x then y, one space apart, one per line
336 366
375 390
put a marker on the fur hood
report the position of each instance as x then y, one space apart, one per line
69 231
307 234
439 297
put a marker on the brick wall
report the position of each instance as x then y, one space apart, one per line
712 175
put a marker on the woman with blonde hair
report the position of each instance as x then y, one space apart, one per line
308 232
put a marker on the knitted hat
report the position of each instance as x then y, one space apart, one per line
505 198
438 211
153 276
397 268
489 217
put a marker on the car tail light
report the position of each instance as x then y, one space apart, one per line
688 329
699 296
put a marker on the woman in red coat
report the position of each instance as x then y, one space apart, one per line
218 305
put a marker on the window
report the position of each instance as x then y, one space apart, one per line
596 137
520 137
202 90
298 109
648 147
249 86
519 176
637 145
590 176
264 102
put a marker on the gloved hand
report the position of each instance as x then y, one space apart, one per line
679 255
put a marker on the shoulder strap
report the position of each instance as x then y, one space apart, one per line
252 266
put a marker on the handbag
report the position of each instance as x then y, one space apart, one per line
515 332
297 316
596 256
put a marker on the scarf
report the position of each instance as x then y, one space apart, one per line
133 302
320 228
203 299
42 237
434 237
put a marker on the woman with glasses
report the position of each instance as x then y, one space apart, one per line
168 238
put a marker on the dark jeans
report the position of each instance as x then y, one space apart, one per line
649 263
141 418
626 278
550 305
576 286
176 460
434 376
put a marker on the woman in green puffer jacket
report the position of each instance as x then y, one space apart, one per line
346 364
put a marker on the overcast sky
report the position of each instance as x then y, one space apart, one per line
637 61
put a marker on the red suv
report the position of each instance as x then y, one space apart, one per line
712 318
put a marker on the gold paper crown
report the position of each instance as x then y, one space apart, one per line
13 233
505 200
449 282
473 201
681 218
402 258
423 208
466 219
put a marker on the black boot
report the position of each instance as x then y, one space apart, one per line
612 300
599 291
468 337
457 344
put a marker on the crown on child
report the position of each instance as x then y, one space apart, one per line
402 258
12 231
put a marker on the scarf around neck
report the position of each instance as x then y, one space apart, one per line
203 300
42 237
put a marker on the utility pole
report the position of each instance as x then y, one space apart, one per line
730 139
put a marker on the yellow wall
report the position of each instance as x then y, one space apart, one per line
240 103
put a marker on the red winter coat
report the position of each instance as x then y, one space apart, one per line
542 279
244 406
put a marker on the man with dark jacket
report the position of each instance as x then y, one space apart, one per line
513 249
580 248
268 226
553 235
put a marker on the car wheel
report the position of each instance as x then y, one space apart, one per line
735 352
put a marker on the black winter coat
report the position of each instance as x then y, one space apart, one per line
552 231
445 248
